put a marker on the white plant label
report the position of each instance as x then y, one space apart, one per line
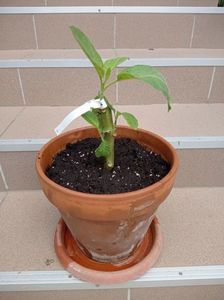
77 112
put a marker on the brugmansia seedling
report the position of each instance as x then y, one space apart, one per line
105 120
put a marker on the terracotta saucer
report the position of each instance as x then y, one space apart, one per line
85 268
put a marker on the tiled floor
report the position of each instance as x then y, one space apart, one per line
182 120
191 219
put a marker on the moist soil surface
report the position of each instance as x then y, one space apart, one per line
77 168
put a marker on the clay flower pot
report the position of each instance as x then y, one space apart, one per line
108 228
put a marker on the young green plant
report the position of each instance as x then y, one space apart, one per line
105 120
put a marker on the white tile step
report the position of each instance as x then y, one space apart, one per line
192 225
184 120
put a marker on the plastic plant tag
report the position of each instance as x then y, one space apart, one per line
77 112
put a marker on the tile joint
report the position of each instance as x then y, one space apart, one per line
12 121
4 197
211 83
129 294
192 32
3 178
21 86
35 31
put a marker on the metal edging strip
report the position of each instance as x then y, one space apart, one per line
156 277
84 63
191 142
111 10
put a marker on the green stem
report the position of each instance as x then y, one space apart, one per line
107 127
109 84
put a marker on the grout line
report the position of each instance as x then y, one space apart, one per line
129 294
45 2
21 86
3 178
4 197
192 32
211 83
115 29
13 120
178 2
35 31
112 3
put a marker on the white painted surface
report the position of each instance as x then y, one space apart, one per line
156 277
111 9
84 63
199 142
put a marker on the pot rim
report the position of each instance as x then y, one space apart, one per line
101 197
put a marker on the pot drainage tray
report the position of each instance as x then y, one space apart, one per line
87 269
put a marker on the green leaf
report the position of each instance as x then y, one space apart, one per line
92 118
88 48
103 150
111 64
130 119
149 75
114 62
107 73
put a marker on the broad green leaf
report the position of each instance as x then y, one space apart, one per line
107 74
103 150
112 63
130 119
149 75
88 48
91 117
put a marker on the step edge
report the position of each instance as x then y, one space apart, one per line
180 142
156 277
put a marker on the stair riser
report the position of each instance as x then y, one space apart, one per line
28 31
176 293
73 86
198 167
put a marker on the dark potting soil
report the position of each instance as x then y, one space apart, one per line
77 168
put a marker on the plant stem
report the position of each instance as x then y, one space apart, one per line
111 83
107 133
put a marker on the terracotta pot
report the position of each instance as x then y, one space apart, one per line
107 228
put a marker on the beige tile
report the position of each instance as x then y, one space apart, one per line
16 32
79 2
22 3
145 2
7 116
2 188
183 245
176 293
2 195
42 121
53 30
198 2
10 90
29 222
172 31
19 170
192 224
118 294
71 86
182 120
186 85
217 92
208 31
201 167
